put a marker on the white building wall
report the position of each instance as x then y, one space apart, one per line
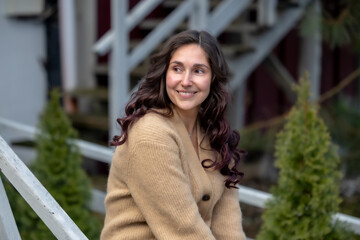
22 75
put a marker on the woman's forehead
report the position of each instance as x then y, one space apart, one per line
190 53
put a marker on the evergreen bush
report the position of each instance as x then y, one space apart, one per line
58 168
307 194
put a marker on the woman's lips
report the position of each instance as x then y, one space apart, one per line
186 93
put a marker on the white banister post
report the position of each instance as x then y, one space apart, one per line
137 14
224 13
119 67
8 228
68 48
311 51
237 107
199 15
267 12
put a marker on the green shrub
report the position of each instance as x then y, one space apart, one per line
58 168
307 194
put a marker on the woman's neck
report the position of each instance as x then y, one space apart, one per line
189 120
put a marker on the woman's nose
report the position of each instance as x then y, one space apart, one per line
186 81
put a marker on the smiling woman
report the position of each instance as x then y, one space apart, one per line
174 172
188 80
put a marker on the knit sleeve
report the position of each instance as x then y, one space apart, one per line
227 218
160 189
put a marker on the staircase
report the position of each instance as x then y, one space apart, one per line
247 31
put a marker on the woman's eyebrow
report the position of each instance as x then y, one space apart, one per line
195 65
177 62
200 65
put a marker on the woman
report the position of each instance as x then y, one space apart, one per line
173 174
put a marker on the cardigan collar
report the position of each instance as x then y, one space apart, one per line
203 145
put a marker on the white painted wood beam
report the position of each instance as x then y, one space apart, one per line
311 51
264 43
281 76
40 200
8 228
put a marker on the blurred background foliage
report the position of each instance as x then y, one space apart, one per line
307 191
340 22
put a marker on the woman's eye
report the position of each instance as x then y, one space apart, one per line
199 71
177 69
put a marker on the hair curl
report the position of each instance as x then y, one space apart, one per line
152 95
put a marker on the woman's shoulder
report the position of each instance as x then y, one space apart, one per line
154 120
151 127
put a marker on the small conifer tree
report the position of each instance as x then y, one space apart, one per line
58 168
307 194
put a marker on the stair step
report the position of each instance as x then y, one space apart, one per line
235 50
100 93
176 3
150 24
97 122
137 72
237 26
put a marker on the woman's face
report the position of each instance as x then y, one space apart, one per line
188 79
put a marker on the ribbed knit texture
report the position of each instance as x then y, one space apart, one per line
156 186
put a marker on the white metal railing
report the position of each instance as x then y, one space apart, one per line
117 39
140 11
247 195
40 200
224 14
264 43
258 198
88 149
200 17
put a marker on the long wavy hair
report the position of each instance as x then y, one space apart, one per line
151 95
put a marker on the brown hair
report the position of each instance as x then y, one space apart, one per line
152 95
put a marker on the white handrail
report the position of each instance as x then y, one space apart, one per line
157 35
253 197
224 14
88 149
8 228
141 10
247 195
352 222
245 65
29 187
258 198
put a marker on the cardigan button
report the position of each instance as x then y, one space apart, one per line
206 197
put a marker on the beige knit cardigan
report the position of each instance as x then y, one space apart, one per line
158 189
